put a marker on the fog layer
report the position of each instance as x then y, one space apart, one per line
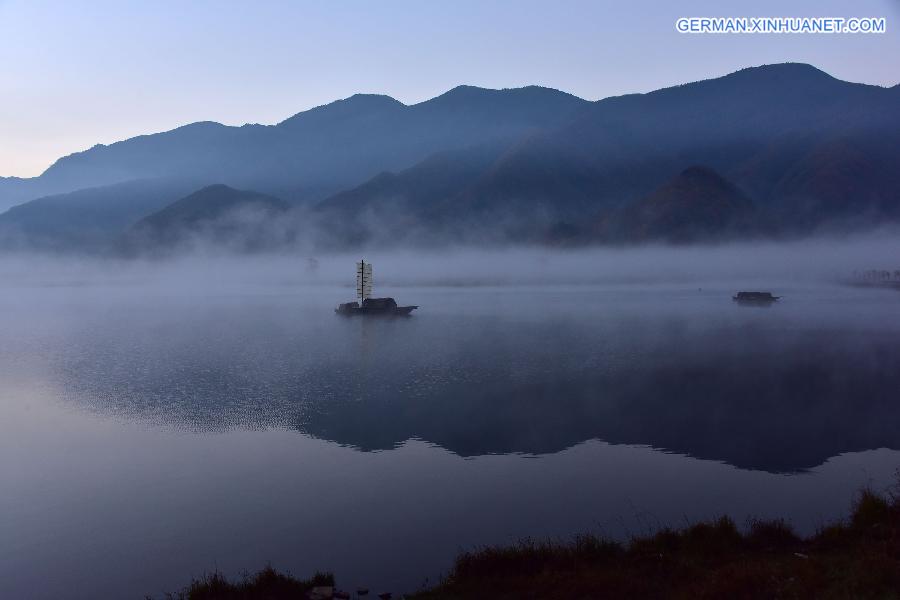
817 260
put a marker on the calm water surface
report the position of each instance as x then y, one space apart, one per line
147 437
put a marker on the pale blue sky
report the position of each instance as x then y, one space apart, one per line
74 73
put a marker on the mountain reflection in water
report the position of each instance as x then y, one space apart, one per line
499 371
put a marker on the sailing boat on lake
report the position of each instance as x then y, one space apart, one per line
367 305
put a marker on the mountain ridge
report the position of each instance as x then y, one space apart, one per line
216 214
235 153
480 165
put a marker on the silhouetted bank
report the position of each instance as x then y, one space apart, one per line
268 583
858 558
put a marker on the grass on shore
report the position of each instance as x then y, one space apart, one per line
859 558
267 584
856 558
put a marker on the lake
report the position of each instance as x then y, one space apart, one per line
150 434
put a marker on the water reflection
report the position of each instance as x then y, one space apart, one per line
480 372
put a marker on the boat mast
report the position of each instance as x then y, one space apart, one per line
363 280
360 280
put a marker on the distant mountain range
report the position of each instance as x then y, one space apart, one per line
781 150
312 154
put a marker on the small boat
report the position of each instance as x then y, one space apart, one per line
375 306
759 298
385 307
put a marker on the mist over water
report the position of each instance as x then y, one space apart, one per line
817 259
160 419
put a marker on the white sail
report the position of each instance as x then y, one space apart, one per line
363 280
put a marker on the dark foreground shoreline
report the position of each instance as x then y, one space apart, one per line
855 558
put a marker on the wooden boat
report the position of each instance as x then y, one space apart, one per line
758 298
382 307
375 307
